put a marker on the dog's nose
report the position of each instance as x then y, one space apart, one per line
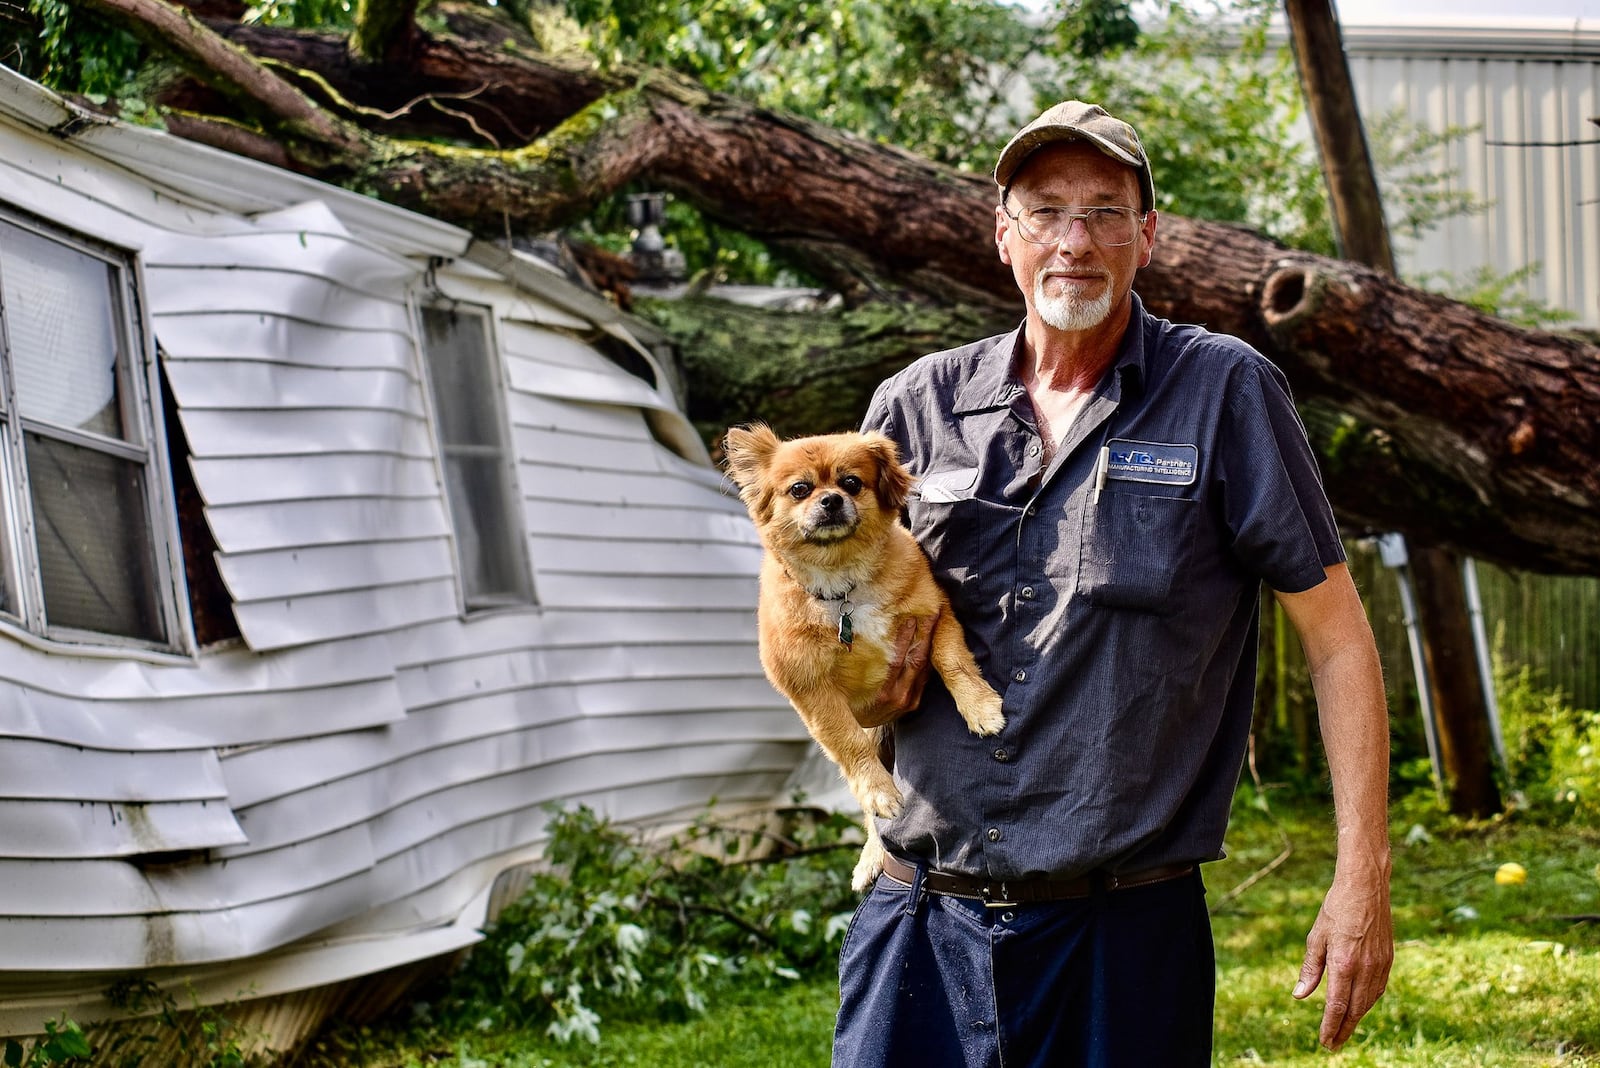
831 502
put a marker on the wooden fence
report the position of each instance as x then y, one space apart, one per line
1548 623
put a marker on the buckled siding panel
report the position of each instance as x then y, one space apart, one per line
235 930
335 434
520 836
229 697
47 770
203 912
243 479
553 364
63 829
260 576
506 732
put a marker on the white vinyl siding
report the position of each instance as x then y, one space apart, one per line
86 539
335 791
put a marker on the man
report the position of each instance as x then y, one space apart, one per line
1102 493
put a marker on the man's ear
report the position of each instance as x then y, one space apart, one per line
1148 234
1002 225
894 481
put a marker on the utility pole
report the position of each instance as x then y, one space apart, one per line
1463 731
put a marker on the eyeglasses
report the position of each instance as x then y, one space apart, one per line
1048 224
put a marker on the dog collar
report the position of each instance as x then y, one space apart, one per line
847 629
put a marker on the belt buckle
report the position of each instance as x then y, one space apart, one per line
991 901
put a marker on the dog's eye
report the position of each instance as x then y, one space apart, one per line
800 490
850 484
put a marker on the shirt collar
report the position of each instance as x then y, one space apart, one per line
995 382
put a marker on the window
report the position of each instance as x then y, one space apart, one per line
84 553
479 466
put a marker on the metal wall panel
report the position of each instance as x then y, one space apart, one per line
1526 97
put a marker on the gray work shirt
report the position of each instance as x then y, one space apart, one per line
1121 631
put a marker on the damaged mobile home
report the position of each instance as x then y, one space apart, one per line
334 545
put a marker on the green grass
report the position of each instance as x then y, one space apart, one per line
1485 975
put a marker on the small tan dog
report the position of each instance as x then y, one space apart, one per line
839 569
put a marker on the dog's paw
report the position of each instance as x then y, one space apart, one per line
868 867
984 716
879 797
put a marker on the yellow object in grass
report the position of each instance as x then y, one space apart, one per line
1510 874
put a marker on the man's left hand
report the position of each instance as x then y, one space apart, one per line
1353 943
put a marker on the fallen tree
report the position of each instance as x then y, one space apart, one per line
1457 428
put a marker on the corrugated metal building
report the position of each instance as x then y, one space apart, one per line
1527 90
334 544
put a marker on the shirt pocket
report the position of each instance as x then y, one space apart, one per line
1134 548
947 487
943 515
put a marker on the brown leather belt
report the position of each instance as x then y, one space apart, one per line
1028 891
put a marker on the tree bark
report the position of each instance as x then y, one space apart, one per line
816 370
1472 433
1466 747
386 31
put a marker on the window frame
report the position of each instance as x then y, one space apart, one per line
510 483
139 395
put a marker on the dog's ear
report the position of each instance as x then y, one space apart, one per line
894 481
749 449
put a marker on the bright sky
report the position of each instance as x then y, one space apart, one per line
1390 11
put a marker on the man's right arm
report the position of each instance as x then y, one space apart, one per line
1352 940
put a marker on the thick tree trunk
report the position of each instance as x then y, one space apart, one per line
1477 435
1446 630
1466 747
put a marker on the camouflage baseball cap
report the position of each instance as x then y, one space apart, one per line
1073 120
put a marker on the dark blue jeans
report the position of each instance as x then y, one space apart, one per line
1125 979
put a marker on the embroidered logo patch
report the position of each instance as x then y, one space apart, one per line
1151 461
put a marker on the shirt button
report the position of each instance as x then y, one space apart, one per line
1019 675
1033 450
994 834
1027 593
1001 755
1032 510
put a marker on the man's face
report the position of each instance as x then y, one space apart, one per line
1074 284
